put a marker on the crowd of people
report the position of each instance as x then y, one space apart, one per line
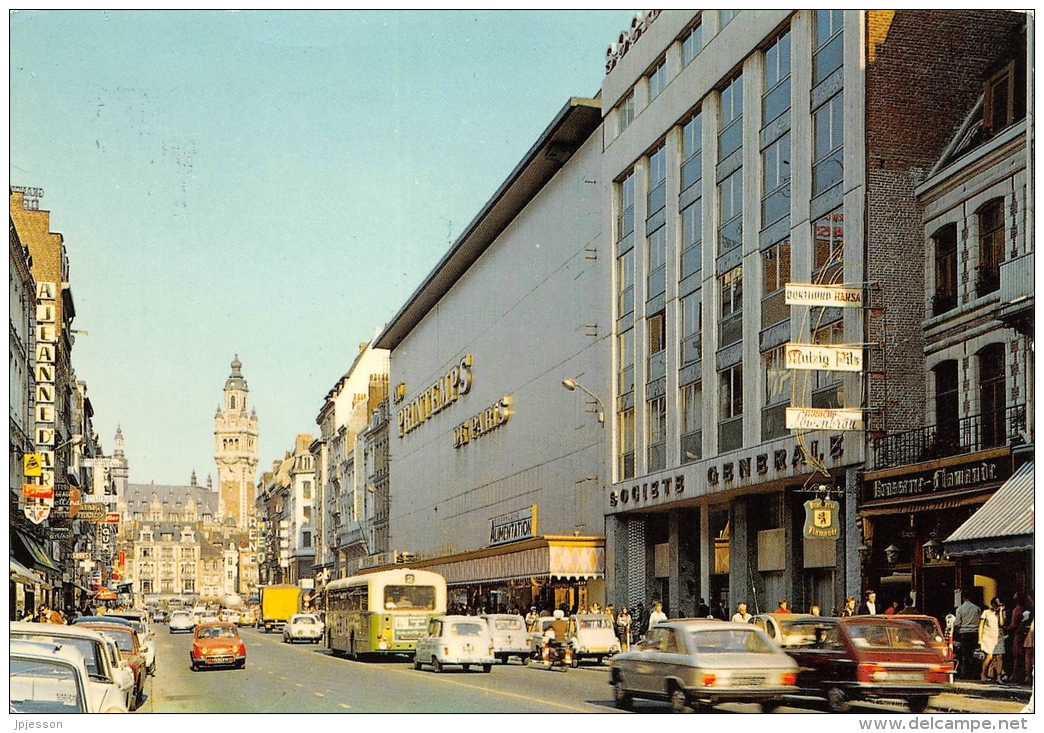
995 643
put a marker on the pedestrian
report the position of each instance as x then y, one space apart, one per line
991 641
849 607
657 614
966 624
783 607
1027 647
641 622
623 628
893 608
741 616
720 612
703 610
908 608
815 610
1013 633
610 611
531 618
869 607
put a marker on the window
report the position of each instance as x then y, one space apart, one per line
828 55
625 279
692 151
656 325
657 279
306 539
691 328
945 297
730 327
730 208
776 99
828 387
775 162
692 240
731 118
730 409
307 516
992 395
657 181
657 434
776 264
657 79
999 100
306 489
829 243
146 552
725 16
692 43
626 445
947 405
777 393
625 372
625 113
625 208
991 247
828 126
692 422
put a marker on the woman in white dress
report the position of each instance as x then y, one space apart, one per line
991 640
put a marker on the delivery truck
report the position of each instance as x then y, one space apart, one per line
278 604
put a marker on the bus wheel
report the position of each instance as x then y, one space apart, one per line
467 667
487 668
416 663
436 665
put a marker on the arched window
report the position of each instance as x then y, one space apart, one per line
232 402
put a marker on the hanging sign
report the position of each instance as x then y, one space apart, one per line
816 418
821 520
827 358
836 296
32 464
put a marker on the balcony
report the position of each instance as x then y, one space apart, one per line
965 435
1016 294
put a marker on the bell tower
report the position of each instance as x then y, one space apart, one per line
235 449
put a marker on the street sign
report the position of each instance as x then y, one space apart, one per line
81 556
836 296
32 464
112 517
826 357
101 462
93 511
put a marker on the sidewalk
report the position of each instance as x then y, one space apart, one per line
993 690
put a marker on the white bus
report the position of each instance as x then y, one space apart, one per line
383 612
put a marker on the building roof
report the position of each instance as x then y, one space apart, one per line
576 121
1003 524
138 497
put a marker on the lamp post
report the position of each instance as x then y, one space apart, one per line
572 384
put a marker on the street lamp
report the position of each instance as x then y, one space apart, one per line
572 384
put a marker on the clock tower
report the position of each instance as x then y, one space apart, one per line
235 450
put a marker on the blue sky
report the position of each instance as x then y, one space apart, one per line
268 184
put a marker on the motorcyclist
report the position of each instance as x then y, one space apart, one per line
557 632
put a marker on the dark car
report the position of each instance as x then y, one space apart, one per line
866 658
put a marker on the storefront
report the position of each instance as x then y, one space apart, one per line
907 512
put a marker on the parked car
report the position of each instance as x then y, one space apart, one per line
463 640
867 658
181 622
121 670
217 644
104 679
696 662
140 621
303 627
126 639
159 616
510 638
52 678
787 629
592 636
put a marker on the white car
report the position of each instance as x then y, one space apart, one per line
121 671
510 638
52 678
463 640
303 627
181 622
106 685
592 636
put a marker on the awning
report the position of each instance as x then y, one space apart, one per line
21 574
539 558
1003 524
38 553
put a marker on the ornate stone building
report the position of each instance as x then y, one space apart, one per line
235 449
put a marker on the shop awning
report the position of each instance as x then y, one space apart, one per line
21 574
38 553
541 558
1003 524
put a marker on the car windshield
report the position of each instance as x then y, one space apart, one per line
930 627
93 654
730 641
467 628
508 624
595 623
886 636
798 633
218 632
306 620
44 686
124 640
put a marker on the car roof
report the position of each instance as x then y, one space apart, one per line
704 624
460 618
103 619
29 627
211 624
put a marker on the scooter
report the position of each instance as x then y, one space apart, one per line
557 654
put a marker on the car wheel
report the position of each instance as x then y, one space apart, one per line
918 704
837 700
416 663
575 662
487 668
679 700
466 667
436 665
621 696
770 706
241 664
195 667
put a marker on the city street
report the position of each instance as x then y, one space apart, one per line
307 678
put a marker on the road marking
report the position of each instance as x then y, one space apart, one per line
318 694
345 705
298 684
527 698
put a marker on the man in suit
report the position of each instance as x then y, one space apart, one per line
869 607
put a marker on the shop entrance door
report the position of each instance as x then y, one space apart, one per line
938 584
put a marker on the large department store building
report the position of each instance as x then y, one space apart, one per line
642 249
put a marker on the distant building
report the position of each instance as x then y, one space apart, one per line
285 507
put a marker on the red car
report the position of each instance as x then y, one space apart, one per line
217 644
869 658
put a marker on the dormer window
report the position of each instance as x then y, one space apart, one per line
999 101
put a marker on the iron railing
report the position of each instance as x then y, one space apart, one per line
964 435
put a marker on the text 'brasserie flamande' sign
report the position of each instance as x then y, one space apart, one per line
952 477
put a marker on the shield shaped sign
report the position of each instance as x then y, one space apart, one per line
37 512
821 520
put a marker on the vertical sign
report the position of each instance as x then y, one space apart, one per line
38 508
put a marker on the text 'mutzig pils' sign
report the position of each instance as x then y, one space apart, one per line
833 296
824 357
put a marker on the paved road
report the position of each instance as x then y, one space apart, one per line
308 678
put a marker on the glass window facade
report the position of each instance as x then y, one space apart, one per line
730 122
828 55
691 422
692 43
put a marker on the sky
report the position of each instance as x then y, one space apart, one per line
272 185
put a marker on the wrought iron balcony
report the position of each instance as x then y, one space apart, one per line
964 435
